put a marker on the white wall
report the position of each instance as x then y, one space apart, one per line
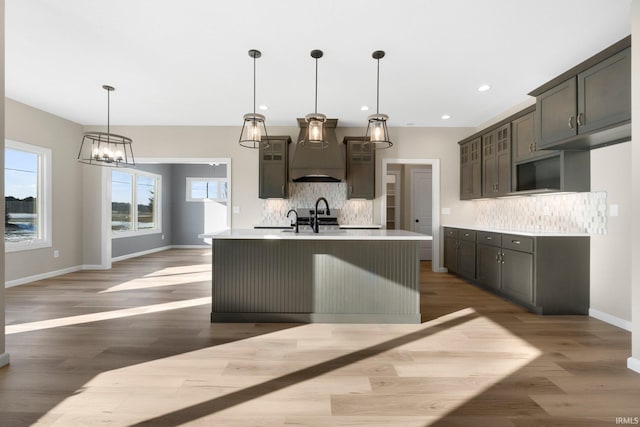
634 361
610 254
4 357
32 126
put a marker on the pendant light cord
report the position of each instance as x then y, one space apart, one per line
108 111
254 86
378 89
316 106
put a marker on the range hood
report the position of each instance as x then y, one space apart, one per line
318 165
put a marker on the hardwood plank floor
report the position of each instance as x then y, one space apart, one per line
134 346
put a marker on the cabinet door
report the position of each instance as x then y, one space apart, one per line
517 275
556 113
604 93
503 160
273 169
451 254
488 165
360 170
467 259
471 170
488 266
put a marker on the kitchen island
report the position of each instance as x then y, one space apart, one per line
340 276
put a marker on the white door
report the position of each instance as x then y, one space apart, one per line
421 216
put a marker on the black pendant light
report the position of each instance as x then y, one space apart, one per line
314 137
253 128
377 134
106 148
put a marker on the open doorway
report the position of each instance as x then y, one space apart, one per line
410 201
192 197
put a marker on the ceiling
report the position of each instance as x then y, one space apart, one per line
186 62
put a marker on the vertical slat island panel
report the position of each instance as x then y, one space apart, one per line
315 280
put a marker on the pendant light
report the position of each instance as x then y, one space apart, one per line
314 137
106 148
377 134
254 132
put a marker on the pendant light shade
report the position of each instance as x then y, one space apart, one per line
377 134
315 137
106 148
253 128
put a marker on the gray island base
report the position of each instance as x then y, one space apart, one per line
349 276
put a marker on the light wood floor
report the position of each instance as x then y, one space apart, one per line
134 346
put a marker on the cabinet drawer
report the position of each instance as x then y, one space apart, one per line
518 243
469 235
489 238
451 232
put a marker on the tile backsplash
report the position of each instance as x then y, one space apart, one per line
305 194
571 213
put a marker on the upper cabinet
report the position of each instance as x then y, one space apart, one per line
524 143
361 173
273 168
588 106
496 162
471 169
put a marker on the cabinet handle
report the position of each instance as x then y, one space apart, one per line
502 257
351 189
570 123
465 234
489 238
531 148
579 119
515 242
498 257
283 189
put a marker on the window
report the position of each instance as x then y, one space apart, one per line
27 189
130 218
207 189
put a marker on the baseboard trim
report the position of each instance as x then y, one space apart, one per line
42 276
96 267
141 253
610 319
191 246
4 359
633 364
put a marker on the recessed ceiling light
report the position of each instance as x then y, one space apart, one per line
484 88
364 108
263 107
445 117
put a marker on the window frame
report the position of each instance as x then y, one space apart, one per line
191 180
134 199
43 197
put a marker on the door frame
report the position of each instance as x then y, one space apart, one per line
435 202
105 250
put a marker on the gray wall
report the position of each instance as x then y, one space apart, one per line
188 217
130 245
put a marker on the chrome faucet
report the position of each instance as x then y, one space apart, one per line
314 223
295 212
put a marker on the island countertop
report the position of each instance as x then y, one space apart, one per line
289 234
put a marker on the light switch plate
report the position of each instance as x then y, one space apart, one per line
445 211
614 210
236 209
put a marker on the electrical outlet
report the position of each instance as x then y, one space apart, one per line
163 237
56 253
236 209
614 210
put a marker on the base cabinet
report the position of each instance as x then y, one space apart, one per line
545 274
460 252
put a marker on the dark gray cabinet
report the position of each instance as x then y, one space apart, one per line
361 172
471 169
590 108
523 139
274 168
496 162
460 252
546 274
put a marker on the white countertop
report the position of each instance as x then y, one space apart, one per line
519 232
252 234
